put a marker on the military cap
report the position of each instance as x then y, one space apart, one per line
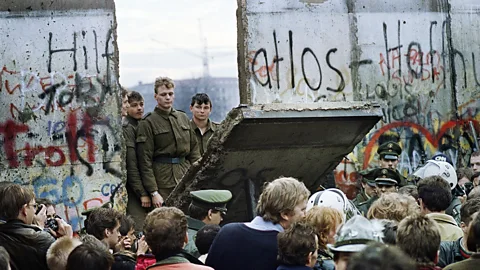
211 199
368 176
389 150
387 177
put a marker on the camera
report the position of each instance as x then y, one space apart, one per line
52 224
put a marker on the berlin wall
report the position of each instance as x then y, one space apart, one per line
59 102
419 59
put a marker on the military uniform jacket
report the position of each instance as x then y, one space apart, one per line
194 225
203 139
134 181
365 206
360 198
165 134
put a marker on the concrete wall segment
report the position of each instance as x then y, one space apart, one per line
59 104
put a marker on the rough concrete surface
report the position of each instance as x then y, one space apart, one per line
257 144
59 103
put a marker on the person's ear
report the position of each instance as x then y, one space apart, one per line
23 211
185 240
107 233
285 215
191 108
210 214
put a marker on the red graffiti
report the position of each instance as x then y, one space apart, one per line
54 155
433 139
9 130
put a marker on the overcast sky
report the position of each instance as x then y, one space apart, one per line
161 38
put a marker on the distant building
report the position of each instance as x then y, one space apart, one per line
223 92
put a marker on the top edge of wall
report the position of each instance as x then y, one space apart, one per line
39 5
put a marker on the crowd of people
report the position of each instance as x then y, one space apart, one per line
427 220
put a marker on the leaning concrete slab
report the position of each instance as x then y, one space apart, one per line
259 143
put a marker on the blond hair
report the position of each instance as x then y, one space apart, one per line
281 196
163 81
57 254
324 219
393 206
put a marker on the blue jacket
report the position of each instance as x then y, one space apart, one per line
293 267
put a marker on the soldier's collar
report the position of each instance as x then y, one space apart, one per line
131 120
165 114
211 125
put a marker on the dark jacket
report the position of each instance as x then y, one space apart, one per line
472 263
450 252
26 244
293 267
124 261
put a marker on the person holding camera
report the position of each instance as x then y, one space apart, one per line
27 244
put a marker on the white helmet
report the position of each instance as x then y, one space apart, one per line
333 198
439 168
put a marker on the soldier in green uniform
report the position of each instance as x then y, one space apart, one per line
201 107
368 187
389 153
207 207
386 181
139 201
166 144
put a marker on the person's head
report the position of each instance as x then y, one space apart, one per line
5 259
165 230
386 180
419 237
205 237
58 252
475 179
469 208
209 205
410 190
378 256
473 236
475 161
17 202
127 227
89 256
333 198
389 153
389 231
464 175
434 194
51 212
164 93
292 205
325 221
298 245
125 103
352 237
368 182
475 193
104 224
136 105
393 206
201 106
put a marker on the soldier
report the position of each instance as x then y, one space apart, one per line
207 207
201 107
166 144
386 180
368 187
125 104
389 153
139 201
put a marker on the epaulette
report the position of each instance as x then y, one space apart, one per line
146 115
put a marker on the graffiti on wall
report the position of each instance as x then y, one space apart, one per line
60 114
417 68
